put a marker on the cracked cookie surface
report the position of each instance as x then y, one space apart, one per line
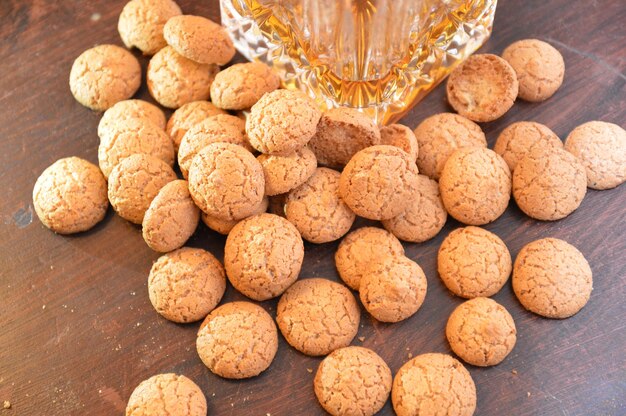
284 173
225 226
187 116
199 39
240 86
517 139
141 23
400 136
167 395
130 109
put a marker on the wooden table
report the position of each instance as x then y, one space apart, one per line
78 333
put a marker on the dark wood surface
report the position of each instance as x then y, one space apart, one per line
78 333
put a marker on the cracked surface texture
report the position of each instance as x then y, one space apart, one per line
316 209
481 332
263 256
141 23
517 139
431 385
199 39
400 136
225 226
601 147
552 278
282 121
171 218
174 80
352 381
186 284
393 289
240 86
284 173
187 116
134 183
226 181
439 136
482 88
359 248
70 196
549 184
103 75
424 217
473 262
539 68
237 340
130 109
379 182
317 316
167 395
475 185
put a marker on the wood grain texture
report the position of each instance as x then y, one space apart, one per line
78 333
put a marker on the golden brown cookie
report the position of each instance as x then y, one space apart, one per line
549 184
167 395
263 256
103 75
539 68
199 39
424 217
601 147
316 209
341 133
473 262
237 340
134 183
552 278
359 248
141 24
225 226
317 316
282 121
393 288
240 86
400 136
186 284
482 88
475 185
226 181
379 182
130 109
352 381
284 173
187 116
70 196
481 332
174 80
433 384
521 137
439 136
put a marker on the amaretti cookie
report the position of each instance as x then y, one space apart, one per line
199 39
284 173
225 226
519 138
240 86
400 136
141 23
167 395
187 116
130 109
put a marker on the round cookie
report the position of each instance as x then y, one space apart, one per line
134 183
237 340
171 218
186 284
130 109
103 75
424 217
174 80
601 147
282 121
226 181
552 278
482 88
400 136
433 384
141 24
359 248
519 138
473 262
317 316
352 381
263 256
167 395
539 68
393 288
225 226
70 196
316 209
549 184
341 133
439 136
240 86
284 173
199 39
187 116
481 332
475 185
379 182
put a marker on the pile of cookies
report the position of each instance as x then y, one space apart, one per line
255 148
